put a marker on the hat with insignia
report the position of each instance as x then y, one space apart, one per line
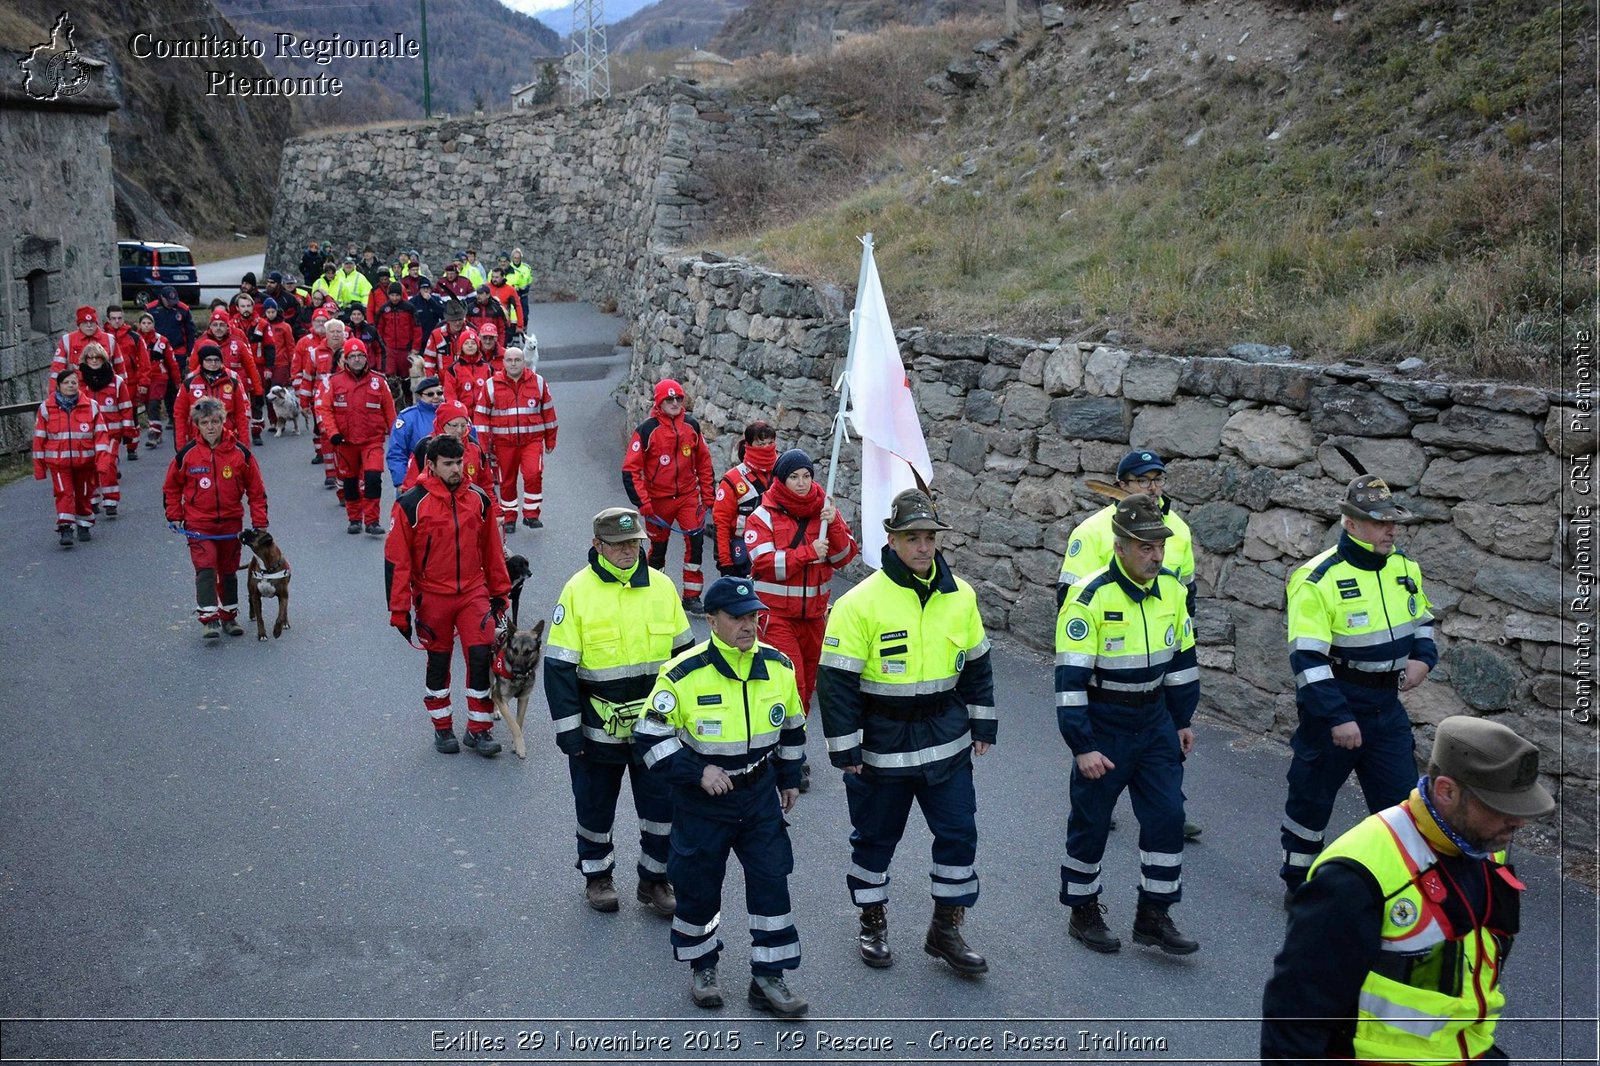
1368 497
618 525
1139 463
1496 765
912 509
735 595
1139 516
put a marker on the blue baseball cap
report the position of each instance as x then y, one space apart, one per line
1139 463
735 595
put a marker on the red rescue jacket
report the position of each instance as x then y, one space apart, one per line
163 368
238 355
738 493
206 486
226 387
666 459
789 577
464 380
512 413
115 403
69 352
445 543
134 354
399 335
64 438
360 409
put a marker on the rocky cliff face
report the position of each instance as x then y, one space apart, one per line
185 163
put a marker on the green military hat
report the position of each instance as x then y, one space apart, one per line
618 525
1368 497
1139 516
912 509
1496 765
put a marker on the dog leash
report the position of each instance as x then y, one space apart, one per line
662 523
192 535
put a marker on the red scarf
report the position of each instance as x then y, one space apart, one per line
801 508
760 457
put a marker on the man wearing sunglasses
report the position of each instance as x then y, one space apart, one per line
410 426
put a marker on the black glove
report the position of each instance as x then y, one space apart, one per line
570 742
498 605
337 438
401 620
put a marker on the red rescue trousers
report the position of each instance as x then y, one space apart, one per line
359 468
801 640
685 513
74 488
220 599
526 460
439 619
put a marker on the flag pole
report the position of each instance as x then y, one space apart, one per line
849 362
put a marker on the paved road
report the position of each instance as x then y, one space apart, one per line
252 832
228 272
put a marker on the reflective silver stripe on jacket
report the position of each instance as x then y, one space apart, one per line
922 757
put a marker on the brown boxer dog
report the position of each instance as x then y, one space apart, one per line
269 577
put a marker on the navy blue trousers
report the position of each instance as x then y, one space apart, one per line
1385 765
879 806
595 788
697 865
1149 764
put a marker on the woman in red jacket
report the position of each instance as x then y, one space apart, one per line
796 541
739 492
667 475
109 391
71 445
204 493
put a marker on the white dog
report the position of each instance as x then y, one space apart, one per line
286 407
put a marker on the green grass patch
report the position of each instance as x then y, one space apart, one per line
1414 202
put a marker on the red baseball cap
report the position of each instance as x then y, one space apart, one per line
489 329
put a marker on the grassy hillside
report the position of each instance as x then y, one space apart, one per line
1408 180
800 27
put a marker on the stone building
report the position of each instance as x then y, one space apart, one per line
59 248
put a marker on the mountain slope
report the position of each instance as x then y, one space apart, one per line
185 163
798 27
478 50
670 25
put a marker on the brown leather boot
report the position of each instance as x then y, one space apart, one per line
874 937
657 896
601 893
945 942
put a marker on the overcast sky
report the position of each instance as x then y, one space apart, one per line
538 7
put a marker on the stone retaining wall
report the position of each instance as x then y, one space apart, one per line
584 190
1015 426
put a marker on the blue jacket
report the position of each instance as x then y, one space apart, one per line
414 423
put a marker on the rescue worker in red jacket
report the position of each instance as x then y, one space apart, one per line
464 379
739 492
69 350
71 446
356 412
128 348
452 419
517 423
323 360
245 316
160 385
489 350
444 559
109 391
274 341
239 356
212 379
667 474
440 350
397 328
205 489
796 541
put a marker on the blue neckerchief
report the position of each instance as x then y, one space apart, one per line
64 403
1455 838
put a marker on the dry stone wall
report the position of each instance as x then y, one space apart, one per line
1015 426
584 191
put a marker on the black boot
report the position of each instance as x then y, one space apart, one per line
945 942
874 936
1088 927
1153 926
65 533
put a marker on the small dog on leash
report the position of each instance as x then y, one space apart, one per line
286 407
268 577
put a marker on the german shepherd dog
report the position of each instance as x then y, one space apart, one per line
269 577
516 660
